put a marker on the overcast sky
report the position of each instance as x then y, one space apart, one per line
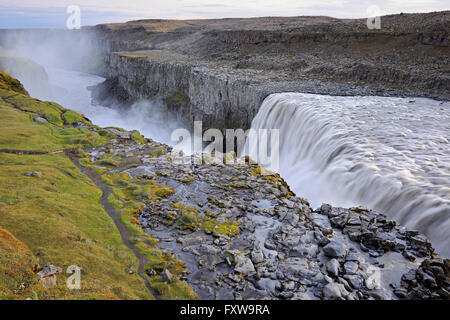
52 13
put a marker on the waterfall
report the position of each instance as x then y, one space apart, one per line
389 154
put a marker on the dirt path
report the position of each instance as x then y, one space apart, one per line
28 152
123 230
125 234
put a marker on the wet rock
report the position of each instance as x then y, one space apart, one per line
350 267
430 281
332 267
293 266
119 133
190 240
321 239
356 281
334 291
335 249
257 256
244 265
291 218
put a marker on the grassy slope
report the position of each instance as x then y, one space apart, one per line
58 216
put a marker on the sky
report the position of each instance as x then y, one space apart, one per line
53 13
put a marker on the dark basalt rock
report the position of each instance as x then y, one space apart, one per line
430 281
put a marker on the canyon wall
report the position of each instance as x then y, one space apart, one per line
190 92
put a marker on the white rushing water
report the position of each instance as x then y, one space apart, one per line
390 154
69 89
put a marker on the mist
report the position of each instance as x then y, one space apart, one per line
60 66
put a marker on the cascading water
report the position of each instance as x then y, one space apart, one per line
390 154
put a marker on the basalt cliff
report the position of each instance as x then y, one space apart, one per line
219 71
144 222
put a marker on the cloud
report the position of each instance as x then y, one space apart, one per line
16 12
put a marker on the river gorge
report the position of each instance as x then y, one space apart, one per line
363 178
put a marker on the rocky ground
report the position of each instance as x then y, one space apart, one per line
242 234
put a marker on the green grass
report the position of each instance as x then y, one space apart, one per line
19 131
17 266
10 84
59 217
178 99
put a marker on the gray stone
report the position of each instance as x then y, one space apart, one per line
48 270
291 217
244 265
350 267
47 276
334 291
292 266
335 249
332 267
356 281
190 240
119 133
166 276
36 174
257 256
40 120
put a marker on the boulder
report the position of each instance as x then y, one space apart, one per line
40 120
335 250
47 276
166 276
334 291
332 267
36 174
244 265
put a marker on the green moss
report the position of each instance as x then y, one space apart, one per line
227 228
19 131
188 180
71 117
158 152
110 163
137 137
17 268
178 99
10 84
121 179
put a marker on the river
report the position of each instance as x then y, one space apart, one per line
390 154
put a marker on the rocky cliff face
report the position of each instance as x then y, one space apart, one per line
190 91
219 71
